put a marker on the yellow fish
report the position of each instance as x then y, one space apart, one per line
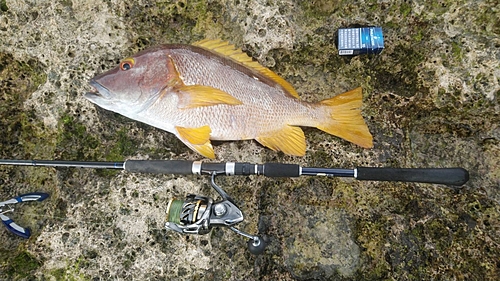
212 91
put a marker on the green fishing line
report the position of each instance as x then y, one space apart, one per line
174 212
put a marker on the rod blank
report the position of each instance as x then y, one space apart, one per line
70 164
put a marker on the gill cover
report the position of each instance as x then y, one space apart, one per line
133 82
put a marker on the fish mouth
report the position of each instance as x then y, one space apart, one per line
98 92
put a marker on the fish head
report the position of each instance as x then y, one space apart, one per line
133 84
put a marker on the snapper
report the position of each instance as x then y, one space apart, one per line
212 91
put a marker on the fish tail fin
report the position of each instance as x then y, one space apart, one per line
345 118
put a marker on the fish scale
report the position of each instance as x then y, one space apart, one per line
212 91
269 108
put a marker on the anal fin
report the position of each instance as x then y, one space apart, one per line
197 95
198 139
290 140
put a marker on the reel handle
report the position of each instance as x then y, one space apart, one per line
257 246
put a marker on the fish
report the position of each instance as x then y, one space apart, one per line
211 90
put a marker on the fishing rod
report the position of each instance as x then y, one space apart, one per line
446 176
198 214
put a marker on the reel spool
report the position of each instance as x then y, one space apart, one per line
197 214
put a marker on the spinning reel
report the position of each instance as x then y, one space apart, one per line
197 214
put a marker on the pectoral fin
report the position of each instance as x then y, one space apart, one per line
198 139
290 140
191 96
197 95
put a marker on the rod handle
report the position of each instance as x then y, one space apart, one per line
447 176
281 170
177 167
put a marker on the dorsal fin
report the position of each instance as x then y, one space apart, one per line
229 50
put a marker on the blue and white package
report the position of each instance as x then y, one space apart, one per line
361 40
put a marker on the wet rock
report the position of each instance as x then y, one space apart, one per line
324 247
430 100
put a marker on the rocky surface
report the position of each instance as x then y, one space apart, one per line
430 100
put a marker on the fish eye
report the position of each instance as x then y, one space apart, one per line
127 64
